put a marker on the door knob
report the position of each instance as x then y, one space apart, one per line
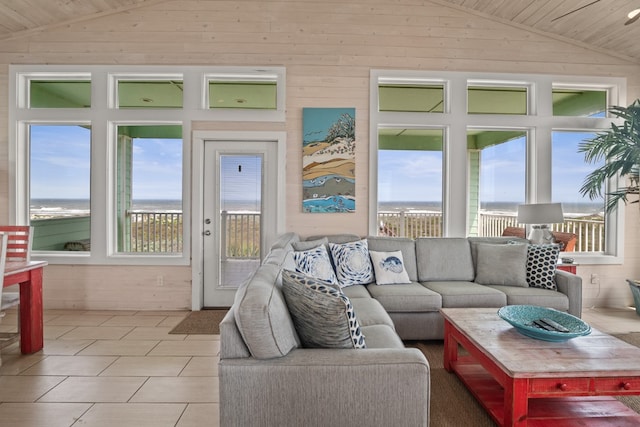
207 233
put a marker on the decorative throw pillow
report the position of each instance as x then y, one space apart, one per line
501 265
353 266
316 263
541 266
322 315
389 268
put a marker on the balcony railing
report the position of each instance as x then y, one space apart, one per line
414 224
158 232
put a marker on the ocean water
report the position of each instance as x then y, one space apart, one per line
569 209
47 208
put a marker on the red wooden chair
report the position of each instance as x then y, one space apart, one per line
18 248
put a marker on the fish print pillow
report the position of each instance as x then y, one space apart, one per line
389 268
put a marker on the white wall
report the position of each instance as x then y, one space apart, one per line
328 49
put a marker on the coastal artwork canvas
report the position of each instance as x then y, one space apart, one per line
328 160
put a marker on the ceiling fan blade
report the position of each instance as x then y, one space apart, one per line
575 10
633 17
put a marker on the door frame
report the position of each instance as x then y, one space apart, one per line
197 192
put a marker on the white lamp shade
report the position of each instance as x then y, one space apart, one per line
540 213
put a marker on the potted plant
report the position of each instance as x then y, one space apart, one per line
620 148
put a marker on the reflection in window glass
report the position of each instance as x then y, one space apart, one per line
149 189
60 170
150 94
243 95
497 170
579 103
496 100
410 182
411 98
59 94
583 216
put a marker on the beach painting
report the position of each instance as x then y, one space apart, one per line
328 160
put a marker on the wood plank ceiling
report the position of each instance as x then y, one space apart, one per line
598 24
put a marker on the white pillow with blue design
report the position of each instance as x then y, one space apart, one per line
315 263
389 268
353 266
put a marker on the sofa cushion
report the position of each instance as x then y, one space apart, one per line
501 264
371 312
356 291
412 297
389 268
495 240
534 296
262 316
402 244
382 336
337 238
461 294
352 263
316 263
305 245
541 266
446 258
323 315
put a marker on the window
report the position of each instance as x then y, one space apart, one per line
497 165
511 140
60 193
583 216
149 189
99 157
410 182
61 93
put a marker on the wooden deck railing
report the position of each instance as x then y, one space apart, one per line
590 232
162 231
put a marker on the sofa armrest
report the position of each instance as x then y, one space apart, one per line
571 285
309 387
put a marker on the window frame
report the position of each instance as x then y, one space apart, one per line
539 123
104 116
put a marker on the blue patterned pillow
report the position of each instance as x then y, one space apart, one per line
389 268
353 265
541 266
322 315
315 263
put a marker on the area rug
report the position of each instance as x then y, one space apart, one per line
203 322
452 405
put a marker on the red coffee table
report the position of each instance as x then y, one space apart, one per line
522 381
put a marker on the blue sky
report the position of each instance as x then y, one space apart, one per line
60 168
416 175
60 165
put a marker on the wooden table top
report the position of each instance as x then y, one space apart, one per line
593 355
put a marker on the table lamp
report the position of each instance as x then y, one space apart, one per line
539 216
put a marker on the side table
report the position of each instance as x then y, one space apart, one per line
571 268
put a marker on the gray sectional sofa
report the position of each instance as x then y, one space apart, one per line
267 378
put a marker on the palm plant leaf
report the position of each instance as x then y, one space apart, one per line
619 147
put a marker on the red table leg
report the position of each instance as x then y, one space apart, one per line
516 403
31 322
450 347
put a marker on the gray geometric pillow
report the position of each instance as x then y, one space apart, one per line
352 262
322 315
316 263
541 266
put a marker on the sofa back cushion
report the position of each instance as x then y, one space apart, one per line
444 258
402 244
262 316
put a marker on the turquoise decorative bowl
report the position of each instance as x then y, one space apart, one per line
523 316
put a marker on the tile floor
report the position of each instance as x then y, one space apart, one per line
123 368
111 368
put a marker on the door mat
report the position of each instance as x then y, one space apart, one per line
203 322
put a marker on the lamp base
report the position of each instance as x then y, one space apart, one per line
541 235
